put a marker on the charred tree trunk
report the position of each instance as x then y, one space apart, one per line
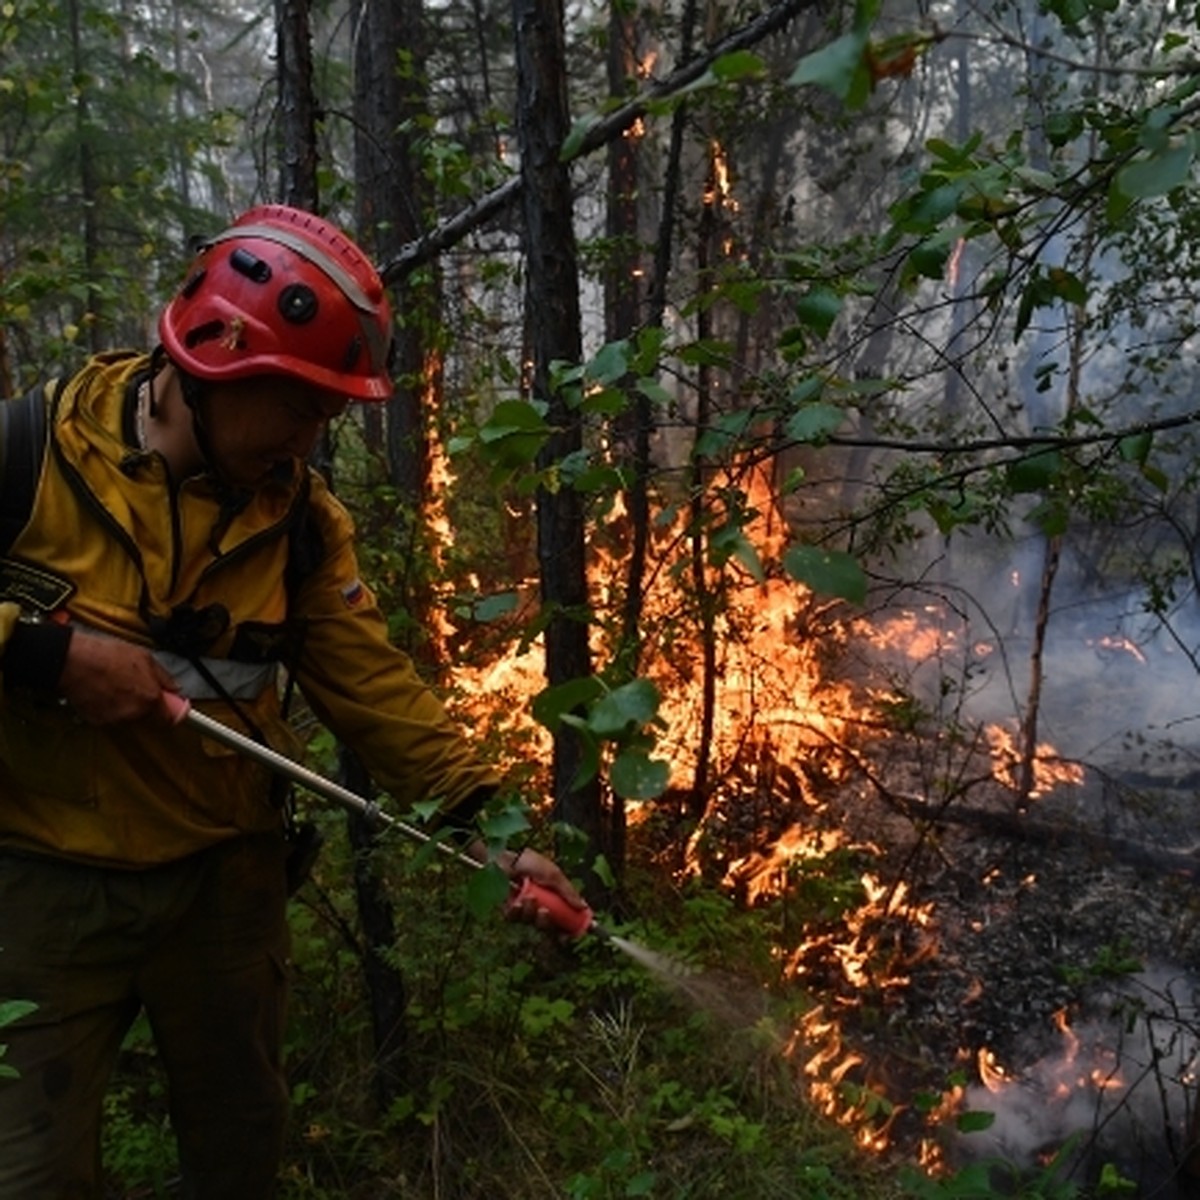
706 594
552 314
622 310
663 260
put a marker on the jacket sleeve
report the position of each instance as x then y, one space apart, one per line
368 692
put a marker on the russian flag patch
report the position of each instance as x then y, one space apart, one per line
353 594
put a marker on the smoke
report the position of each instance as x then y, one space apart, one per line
1116 1092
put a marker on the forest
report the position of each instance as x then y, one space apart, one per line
790 482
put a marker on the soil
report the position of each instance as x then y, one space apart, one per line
1047 945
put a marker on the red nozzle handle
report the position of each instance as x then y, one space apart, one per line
572 921
177 706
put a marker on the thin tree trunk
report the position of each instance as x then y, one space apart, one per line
622 311
552 314
706 595
297 105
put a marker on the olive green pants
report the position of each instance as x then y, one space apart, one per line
202 946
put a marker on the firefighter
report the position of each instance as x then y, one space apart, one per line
179 542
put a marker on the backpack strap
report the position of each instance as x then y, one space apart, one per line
23 425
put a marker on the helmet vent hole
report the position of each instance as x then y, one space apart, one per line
208 332
353 352
250 265
298 303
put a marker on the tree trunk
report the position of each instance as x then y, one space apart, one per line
707 595
389 91
297 105
552 313
390 98
622 311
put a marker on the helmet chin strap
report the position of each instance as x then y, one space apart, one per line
231 499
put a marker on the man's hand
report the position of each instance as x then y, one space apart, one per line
529 864
107 681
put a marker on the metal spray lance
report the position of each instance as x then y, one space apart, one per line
572 921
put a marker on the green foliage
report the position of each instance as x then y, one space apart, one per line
534 1069
618 719
10 1011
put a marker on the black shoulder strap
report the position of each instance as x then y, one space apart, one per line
23 424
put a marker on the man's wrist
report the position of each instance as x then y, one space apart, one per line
34 657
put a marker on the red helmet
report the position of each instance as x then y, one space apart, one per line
282 292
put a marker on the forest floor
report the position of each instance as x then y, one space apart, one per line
1030 962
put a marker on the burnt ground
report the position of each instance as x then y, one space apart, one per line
1056 940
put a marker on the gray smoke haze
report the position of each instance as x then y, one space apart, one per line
1116 1091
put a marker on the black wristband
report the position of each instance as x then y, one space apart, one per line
34 656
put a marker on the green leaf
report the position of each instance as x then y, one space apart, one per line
930 255
974 1121
637 776
808 388
627 707
491 608
574 140
818 309
1034 473
828 572
1156 478
645 1183
1136 447
504 824
653 390
514 433
814 423
610 362
1052 517
1063 127
1067 286
708 352
1156 174
739 64
487 889
730 541
550 704
14 1010
835 66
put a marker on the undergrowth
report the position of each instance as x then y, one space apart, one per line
531 1068
528 1067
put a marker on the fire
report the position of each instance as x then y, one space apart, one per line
1116 644
991 1074
763 873
720 187
908 634
1049 770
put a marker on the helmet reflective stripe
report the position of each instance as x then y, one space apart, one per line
346 284
305 248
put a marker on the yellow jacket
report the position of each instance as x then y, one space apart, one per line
108 528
